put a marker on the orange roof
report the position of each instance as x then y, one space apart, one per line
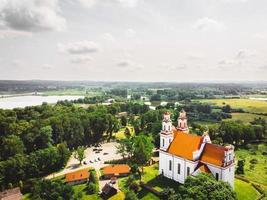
184 144
213 154
116 169
77 175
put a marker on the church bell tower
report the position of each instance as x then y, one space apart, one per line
182 122
166 134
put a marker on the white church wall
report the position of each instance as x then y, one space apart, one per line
228 174
214 169
164 160
179 177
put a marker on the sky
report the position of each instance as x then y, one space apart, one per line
134 40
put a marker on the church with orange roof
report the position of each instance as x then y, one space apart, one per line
183 154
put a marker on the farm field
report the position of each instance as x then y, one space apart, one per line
248 105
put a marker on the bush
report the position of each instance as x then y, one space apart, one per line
130 195
91 188
253 161
134 186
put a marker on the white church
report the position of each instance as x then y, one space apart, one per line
183 154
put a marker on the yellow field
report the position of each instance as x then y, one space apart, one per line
249 105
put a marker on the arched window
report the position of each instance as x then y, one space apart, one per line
163 142
179 168
188 171
170 165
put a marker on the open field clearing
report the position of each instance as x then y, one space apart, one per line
248 105
254 172
246 117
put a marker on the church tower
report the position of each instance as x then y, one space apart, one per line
182 122
166 135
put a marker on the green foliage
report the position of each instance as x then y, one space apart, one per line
79 154
46 189
204 187
169 194
123 121
240 167
91 188
11 145
130 195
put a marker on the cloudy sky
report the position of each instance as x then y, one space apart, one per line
134 40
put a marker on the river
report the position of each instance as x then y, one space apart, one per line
23 101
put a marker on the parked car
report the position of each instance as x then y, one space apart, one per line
84 162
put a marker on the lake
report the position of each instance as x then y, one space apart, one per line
23 101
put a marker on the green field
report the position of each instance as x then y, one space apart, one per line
248 105
245 191
254 172
246 117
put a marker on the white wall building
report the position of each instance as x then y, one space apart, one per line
183 154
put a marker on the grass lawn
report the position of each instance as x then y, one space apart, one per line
81 187
245 117
158 183
249 105
254 172
120 134
245 191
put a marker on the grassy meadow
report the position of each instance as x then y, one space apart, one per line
254 172
246 117
249 105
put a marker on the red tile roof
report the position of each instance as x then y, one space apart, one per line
184 144
77 175
213 154
116 169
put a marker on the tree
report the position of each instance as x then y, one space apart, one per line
79 154
240 166
126 147
169 194
112 125
143 147
11 146
226 108
204 186
123 121
44 139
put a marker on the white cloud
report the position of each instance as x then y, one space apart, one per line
130 33
47 66
13 33
81 59
129 65
31 15
208 24
261 36
244 53
87 3
82 47
108 37
125 3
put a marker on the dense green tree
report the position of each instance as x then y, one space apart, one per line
240 166
204 186
11 146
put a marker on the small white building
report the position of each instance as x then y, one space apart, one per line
183 154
